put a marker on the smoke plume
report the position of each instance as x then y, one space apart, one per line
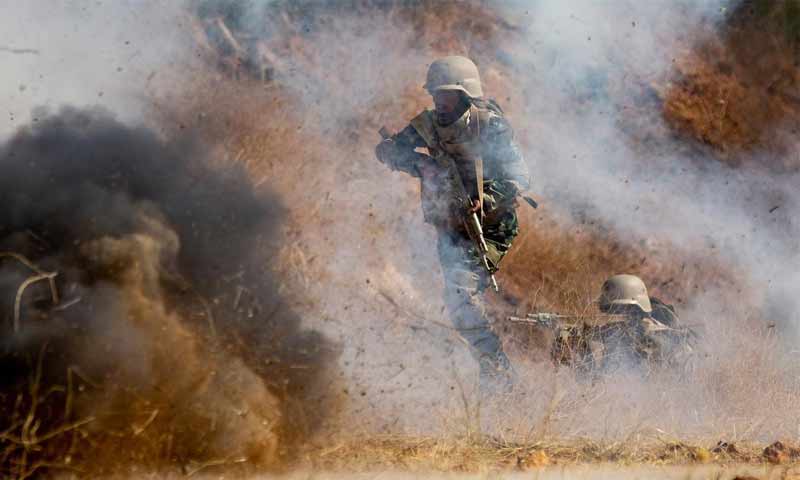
169 344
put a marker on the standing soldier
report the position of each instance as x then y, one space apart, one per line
471 155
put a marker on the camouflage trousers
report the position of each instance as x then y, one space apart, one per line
465 281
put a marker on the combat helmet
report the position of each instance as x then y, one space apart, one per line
624 290
454 73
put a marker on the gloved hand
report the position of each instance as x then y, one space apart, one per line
499 193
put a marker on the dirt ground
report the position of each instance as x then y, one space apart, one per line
581 472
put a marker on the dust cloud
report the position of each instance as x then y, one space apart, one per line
584 86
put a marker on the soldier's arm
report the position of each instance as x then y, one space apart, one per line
398 152
502 155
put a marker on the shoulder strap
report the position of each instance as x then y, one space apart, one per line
424 125
476 127
486 110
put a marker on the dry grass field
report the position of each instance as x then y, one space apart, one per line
313 344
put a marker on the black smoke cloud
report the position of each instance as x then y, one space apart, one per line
169 324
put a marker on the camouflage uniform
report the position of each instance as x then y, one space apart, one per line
480 133
650 335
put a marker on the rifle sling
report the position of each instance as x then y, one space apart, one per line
475 120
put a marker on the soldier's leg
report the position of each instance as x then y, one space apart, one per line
463 298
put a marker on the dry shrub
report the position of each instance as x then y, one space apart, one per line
735 90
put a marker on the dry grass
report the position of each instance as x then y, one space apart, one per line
485 454
59 420
35 439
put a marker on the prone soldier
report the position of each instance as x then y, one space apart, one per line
632 329
471 177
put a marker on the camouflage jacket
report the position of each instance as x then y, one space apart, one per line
483 132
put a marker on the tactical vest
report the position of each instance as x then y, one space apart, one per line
463 143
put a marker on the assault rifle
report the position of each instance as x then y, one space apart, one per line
591 341
464 208
555 320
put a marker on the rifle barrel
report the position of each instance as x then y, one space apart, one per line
553 319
